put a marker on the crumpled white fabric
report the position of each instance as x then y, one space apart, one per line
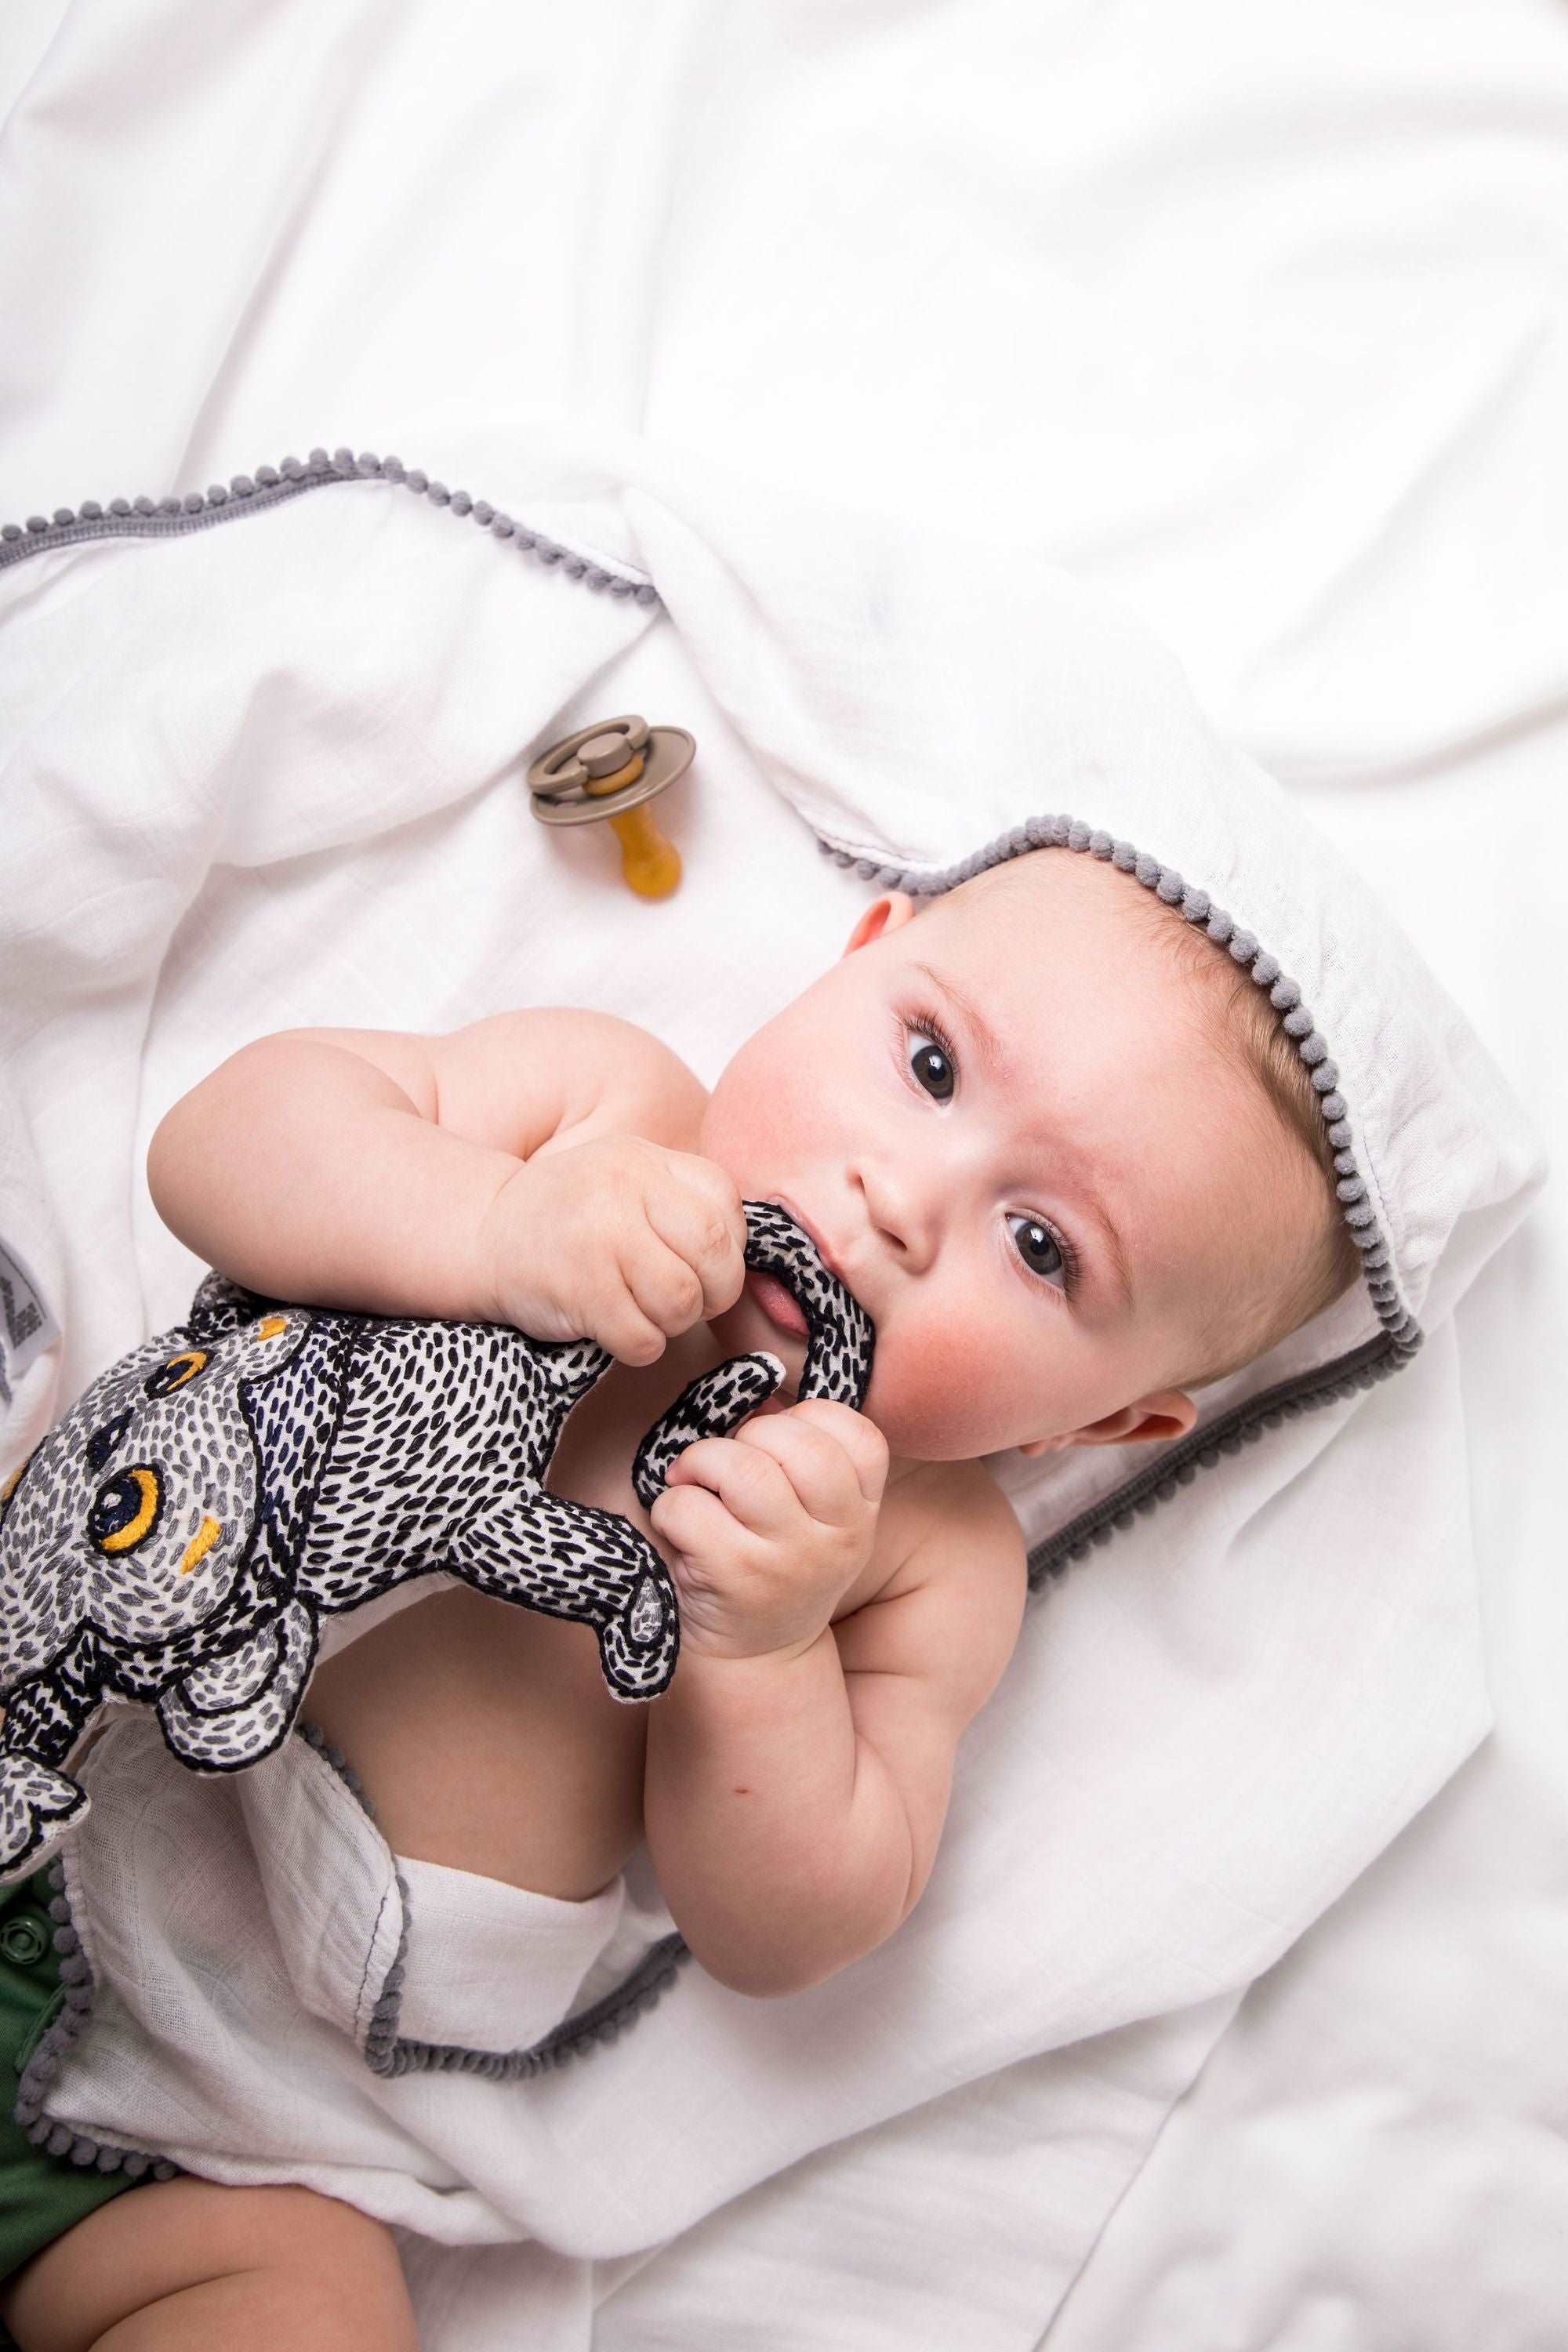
1250 313
1208 1730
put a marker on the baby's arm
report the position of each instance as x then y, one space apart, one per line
355 1167
795 1798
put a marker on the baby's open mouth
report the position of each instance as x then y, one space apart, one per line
775 1301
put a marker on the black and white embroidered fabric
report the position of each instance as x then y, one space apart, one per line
178 1536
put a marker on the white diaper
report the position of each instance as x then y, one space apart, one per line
266 1992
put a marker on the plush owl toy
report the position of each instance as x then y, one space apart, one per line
178 1536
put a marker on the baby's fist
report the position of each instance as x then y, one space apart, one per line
768 1530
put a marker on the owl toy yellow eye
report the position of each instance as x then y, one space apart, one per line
270 1325
126 1510
175 1372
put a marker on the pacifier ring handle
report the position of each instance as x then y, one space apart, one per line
568 780
595 752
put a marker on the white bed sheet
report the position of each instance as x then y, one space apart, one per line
1256 319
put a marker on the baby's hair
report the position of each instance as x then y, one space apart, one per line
1245 1027
1244 1321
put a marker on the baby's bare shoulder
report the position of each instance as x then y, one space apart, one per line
948 1609
548 1075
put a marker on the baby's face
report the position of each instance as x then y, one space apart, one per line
1034 1237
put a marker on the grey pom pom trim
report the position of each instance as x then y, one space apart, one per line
314 1736
1358 1368
1202 1448
388 2052
63 2139
273 485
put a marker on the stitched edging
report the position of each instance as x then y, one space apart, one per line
63 2139
1358 1368
272 485
390 2054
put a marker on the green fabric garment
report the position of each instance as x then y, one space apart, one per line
40 2196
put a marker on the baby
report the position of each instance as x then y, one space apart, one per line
1055 1144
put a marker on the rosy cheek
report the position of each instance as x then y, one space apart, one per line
760 1123
932 1391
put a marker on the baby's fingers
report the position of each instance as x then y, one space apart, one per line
851 1437
691 1520
750 1485
696 1212
823 1474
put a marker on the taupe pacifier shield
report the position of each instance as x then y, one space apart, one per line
603 769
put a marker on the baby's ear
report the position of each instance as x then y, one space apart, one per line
1167 1413
1160 1416
887 914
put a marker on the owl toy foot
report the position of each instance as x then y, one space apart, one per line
570 1560
637 1649
38 1805
235 1710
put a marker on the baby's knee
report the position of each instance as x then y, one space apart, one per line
178 2263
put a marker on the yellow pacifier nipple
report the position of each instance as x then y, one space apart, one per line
650 863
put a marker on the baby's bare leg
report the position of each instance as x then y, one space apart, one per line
181 2265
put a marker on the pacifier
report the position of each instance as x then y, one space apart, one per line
613 769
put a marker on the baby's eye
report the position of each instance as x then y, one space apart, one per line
933 1061
1042 1253
1046 1253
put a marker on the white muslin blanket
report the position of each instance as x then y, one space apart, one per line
269 773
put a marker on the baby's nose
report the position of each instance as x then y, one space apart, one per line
901 1208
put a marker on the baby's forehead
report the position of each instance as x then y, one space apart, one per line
1018 899
1050 911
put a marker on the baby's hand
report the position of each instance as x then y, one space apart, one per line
769 1528
615 1240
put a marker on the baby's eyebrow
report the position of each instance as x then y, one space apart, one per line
985 1037
996 1064
1113 1243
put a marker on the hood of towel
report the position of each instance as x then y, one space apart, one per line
932 705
